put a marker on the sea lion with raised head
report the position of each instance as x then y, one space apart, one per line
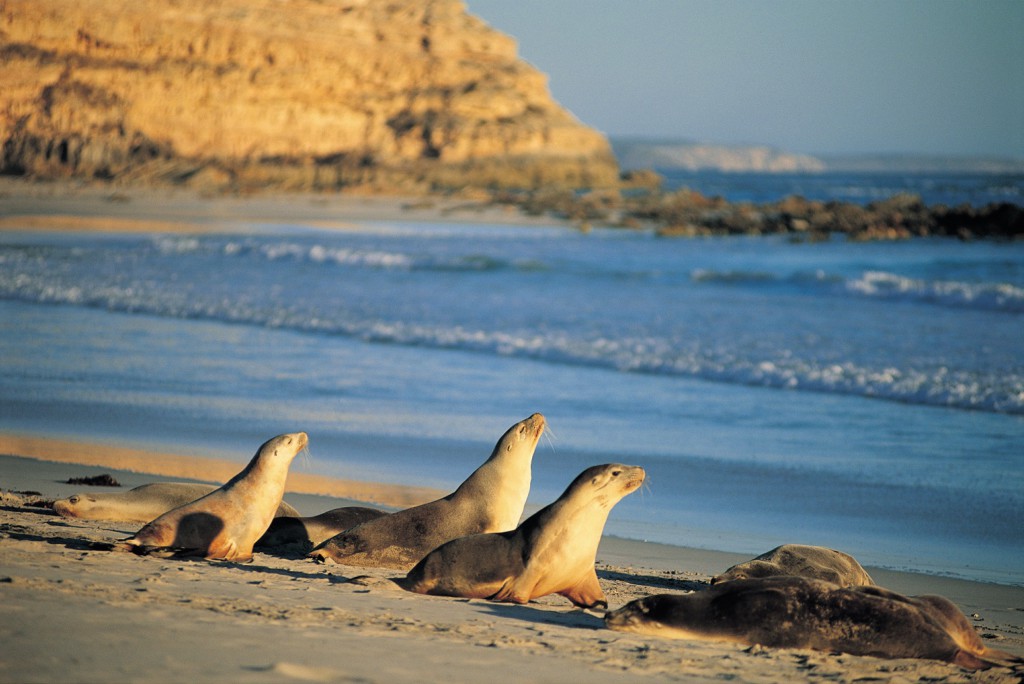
796 612
224 524
812 562
308 532
490 500
552 552
141 504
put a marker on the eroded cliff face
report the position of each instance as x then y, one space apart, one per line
303 94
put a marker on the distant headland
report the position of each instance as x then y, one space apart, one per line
688 155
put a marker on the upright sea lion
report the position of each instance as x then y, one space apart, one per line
490 500
796 612
224 524
141 504
552 552
813 562
309 532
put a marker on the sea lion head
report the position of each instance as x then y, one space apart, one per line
75 505
283 447
634 616
291 443
645 616
606 484
521 437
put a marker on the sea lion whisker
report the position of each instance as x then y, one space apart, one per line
646 485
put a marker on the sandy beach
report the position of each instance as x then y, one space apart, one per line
71 613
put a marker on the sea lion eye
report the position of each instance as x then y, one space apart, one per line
616 473
73 499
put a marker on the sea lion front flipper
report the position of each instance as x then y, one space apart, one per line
586 593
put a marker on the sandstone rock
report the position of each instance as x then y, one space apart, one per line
300 95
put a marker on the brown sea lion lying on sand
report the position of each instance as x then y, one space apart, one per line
795 612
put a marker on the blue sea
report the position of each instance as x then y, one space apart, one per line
864 396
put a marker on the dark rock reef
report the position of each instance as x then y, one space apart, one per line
686 213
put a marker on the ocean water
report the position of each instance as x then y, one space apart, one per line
867 397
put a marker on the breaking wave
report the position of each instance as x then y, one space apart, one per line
882 285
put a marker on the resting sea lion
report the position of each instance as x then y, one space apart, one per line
795 612
552 552
490 500
224 524
309 532
141 504
812 562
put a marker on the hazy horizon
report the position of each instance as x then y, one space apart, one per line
915 77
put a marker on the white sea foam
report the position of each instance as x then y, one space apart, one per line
995 296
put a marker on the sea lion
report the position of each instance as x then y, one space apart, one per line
224 524
309 532
490 500
797 612
141 504
552 552
813 562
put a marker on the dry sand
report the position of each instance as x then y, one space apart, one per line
70 613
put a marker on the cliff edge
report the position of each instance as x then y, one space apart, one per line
397 95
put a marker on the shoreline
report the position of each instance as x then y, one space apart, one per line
203 621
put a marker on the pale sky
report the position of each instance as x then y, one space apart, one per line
812 76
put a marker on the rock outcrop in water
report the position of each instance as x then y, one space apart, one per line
403 95
686 213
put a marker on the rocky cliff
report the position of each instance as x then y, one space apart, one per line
303 94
